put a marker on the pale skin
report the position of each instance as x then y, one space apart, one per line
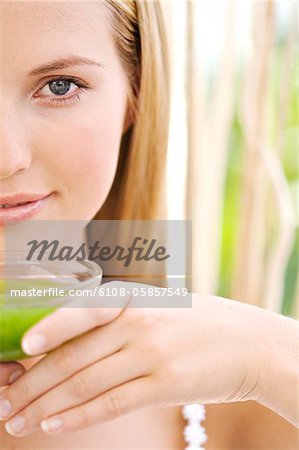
217 351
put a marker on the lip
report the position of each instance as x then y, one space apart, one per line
35 203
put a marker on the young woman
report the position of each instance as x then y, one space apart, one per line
84 114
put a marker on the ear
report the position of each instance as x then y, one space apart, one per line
132 101
129 118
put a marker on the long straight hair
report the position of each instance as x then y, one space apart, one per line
138 190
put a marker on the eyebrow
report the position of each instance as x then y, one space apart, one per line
64 63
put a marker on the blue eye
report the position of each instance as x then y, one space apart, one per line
60 87
61 91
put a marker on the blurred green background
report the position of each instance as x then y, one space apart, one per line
232 201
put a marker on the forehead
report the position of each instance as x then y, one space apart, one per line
39 29
40 12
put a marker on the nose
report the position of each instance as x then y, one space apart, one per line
15 155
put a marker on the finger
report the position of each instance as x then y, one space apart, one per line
117 402
82 387
60 364
10 372
70 321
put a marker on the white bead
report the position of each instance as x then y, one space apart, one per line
194 412
195 434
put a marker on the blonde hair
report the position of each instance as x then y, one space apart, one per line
138 188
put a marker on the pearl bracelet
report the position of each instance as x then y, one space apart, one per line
194 433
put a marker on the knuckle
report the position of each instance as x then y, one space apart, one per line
144 331
81 386
37 413
64 357
81 418
158 349
173 372
149 329
114 405
159 356
22 395
146 320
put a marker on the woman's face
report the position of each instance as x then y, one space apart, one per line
63 97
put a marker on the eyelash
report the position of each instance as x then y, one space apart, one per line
63 101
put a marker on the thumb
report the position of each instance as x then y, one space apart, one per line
70 321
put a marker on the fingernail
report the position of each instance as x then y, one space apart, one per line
15 425
53 424
35 344
5 408
15 375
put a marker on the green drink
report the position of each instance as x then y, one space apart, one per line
19 313
14 322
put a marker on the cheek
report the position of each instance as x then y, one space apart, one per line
90 168
80 155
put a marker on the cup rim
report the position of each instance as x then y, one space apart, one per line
94 269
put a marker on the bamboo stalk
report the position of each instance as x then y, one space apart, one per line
279 257
209 130
196 162
249 266
287 64
278 260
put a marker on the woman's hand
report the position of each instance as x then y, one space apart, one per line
141 357
132 358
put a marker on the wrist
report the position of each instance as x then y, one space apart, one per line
277 383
